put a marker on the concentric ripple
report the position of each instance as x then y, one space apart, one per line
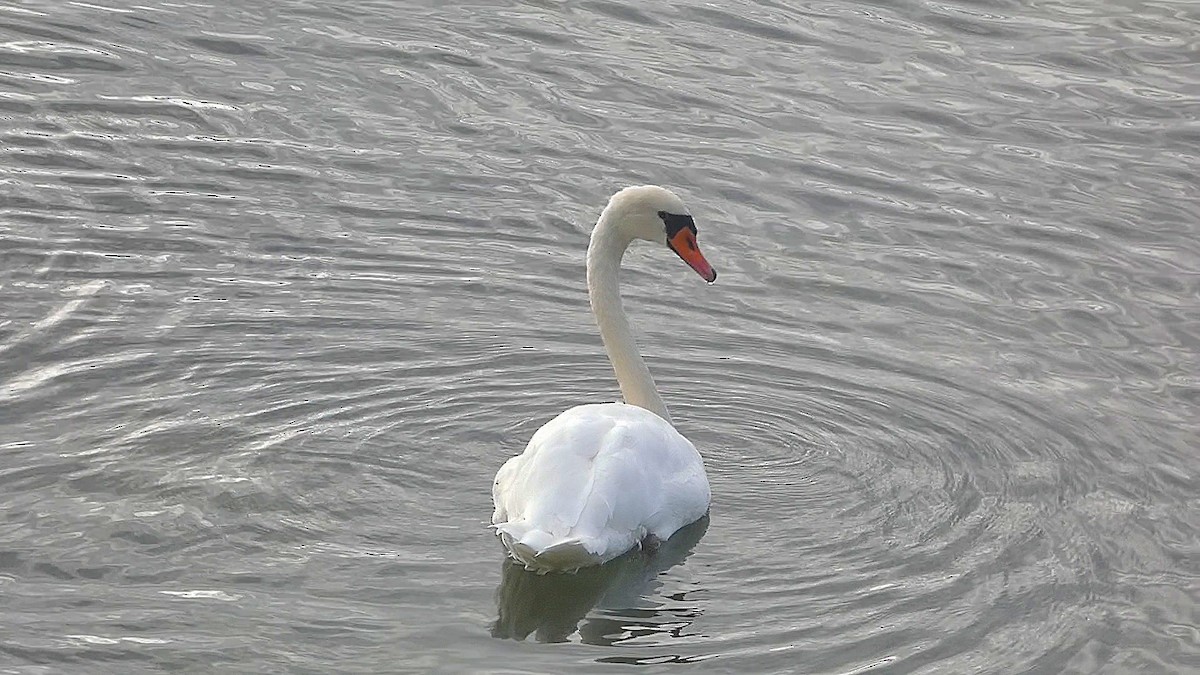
894 495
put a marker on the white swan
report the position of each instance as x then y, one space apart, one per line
599 479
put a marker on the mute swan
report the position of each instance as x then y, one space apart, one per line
599 479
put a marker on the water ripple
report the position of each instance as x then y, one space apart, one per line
284 286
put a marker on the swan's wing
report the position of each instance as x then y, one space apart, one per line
546 483
653 477
598 478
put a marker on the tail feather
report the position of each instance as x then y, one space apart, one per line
543 552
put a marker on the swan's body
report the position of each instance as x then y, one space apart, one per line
593 483
599 479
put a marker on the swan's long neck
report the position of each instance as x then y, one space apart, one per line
603 266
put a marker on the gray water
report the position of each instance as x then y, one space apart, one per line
283 283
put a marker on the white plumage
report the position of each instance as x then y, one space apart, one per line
593 483
599 479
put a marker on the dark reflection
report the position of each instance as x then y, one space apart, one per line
551 606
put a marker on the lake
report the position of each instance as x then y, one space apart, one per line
283 284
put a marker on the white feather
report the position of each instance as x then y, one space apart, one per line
593 483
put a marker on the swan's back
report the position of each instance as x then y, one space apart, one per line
592 483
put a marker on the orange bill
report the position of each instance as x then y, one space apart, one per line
684 245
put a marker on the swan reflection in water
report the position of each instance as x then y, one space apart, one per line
551 606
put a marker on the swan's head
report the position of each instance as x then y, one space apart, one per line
656 214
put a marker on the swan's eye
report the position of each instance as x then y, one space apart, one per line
675 222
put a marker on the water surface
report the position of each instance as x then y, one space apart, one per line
284 283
